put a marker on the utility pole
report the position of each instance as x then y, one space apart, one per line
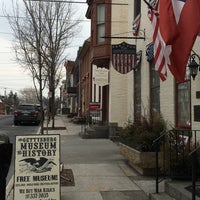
5 100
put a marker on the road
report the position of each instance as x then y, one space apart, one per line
7 126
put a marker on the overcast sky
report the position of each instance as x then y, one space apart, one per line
12 76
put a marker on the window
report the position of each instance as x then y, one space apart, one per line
154 90
100 23
137 8
183 103
137 93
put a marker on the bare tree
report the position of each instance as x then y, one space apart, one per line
42 32
28 95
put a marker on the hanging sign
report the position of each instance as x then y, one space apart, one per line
123 57
100 76
37 167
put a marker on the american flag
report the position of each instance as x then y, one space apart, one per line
159 49
150 53
136 25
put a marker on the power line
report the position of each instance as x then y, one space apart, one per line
5 52
78 2
5 33
80 20
21 17
19 79
58 1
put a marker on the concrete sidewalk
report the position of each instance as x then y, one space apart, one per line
100 171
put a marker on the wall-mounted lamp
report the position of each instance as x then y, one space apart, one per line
194 65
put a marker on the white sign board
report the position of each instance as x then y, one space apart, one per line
100 76
37 167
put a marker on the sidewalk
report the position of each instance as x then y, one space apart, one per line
100 172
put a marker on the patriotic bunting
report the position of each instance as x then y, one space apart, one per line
123 57
159 48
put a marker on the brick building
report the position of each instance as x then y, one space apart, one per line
138 92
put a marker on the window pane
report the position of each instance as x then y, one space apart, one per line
137 8
155 105
137 93
155 90
101 33
100 23
155 78
183 101
101 14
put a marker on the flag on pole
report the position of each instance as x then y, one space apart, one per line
159 48
175 27
187 15
136 25
167 23
150 53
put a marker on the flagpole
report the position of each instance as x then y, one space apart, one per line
148 4
113 37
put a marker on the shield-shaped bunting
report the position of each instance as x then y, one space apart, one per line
123 57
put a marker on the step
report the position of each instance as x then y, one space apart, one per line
95 132
160 196
177 190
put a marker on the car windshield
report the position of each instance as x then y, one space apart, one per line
26 107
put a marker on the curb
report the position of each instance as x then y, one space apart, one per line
9 188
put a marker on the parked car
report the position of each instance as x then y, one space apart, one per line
27 113
38 106
43 112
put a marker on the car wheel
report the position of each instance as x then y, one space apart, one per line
16 123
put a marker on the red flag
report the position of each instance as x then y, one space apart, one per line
167 23
187 15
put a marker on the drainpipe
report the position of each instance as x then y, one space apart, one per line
79 91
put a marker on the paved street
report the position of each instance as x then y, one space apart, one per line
7 127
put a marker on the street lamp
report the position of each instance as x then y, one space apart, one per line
193 65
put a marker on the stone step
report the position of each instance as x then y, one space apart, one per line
96 132
160 196
177 190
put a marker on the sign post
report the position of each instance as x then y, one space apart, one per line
37 167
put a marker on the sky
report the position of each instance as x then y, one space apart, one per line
12 75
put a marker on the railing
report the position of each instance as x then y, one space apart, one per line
94 117
193 154
156 145
176 146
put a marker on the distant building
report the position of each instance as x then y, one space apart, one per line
68 93
2 107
